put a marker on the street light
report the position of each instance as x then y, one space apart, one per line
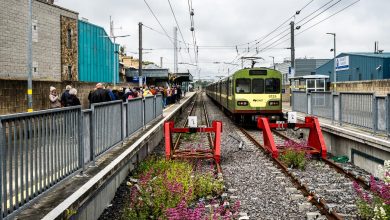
334 58
115 52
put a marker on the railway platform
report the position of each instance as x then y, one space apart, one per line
86 193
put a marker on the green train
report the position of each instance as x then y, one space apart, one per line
249 93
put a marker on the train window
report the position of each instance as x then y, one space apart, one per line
272 85
243 85
258 86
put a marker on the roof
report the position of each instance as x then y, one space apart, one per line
377 55
311 77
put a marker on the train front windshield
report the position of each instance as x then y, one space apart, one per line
272 86
243 86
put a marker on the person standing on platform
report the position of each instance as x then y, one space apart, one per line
54 98
65 95
73 100
99 95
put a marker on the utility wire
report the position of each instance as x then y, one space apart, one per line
345 8
178 26
314 25
150 9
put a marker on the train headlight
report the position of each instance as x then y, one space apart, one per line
242 103
273 103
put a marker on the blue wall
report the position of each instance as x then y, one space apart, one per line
362 66
96 54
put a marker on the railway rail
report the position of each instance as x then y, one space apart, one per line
327 185
201 141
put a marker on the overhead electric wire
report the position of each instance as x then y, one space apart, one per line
329 17
315 11
158 21
281 38
178 26
312 26
190 10
331 6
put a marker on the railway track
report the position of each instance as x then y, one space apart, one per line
327 185
200 141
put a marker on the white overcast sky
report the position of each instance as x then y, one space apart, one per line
231 22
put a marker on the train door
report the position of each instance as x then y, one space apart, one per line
227 93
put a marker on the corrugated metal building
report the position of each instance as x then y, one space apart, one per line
96 54
358 66
305 67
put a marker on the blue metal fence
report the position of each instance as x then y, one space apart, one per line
40 149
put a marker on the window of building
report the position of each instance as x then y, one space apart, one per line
243 85
69 38
70 72
272 85
258 86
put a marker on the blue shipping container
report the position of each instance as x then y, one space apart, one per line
97 57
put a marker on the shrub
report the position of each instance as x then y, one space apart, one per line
165 188
206 184
294 155
377 204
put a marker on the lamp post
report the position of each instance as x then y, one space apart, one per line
29 58
334 58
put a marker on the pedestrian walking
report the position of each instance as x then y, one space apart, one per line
99 94
73 100
53 98
65 96
178 93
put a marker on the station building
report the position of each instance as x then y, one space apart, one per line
357 67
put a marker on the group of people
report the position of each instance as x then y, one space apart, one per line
68 98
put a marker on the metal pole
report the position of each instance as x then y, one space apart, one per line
292 45
334 55
292 24
113 79
140 54
161 62
273 61
175 58
29 58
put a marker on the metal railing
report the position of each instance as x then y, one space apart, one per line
300 102
135 115
40 149
359 109
149 108
320 103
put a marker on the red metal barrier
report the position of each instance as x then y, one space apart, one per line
315 141
212 153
